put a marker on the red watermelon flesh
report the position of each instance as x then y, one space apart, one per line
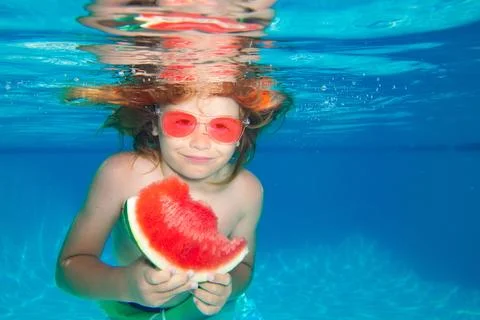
173 230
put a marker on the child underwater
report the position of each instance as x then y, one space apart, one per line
209 162
197 120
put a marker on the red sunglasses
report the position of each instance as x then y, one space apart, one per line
224 129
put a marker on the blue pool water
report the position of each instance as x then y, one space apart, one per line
371 183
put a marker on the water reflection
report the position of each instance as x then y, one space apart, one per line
181 41
153 18
163 17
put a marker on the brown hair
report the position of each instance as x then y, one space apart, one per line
135 114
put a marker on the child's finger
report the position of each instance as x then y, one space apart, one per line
206 309
223 279
184 288
207 298
155 277
213 288
177 281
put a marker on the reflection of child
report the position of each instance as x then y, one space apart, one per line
164 17
204 137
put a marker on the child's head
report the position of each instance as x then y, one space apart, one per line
196 130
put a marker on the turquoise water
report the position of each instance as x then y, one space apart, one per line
371 183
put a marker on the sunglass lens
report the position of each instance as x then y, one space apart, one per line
226 130
178 124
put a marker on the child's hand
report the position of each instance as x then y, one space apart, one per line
211 296
152 287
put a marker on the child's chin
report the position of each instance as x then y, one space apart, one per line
198 175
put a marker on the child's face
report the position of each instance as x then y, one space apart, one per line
197 155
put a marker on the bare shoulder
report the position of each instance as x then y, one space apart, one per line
249 190
126 167
117 163
249 182
118 177
127 162
248 194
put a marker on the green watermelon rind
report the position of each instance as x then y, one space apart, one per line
132 225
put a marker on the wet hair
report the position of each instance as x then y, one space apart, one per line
134 111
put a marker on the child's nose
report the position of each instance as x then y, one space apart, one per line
199 138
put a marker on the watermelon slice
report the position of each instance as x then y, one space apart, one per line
174 231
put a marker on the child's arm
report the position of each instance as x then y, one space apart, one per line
211 296
246 228
79 269
243 273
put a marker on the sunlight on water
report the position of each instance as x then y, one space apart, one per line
354 280
349 66
392 74
370 19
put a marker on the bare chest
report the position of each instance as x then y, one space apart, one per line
227 211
